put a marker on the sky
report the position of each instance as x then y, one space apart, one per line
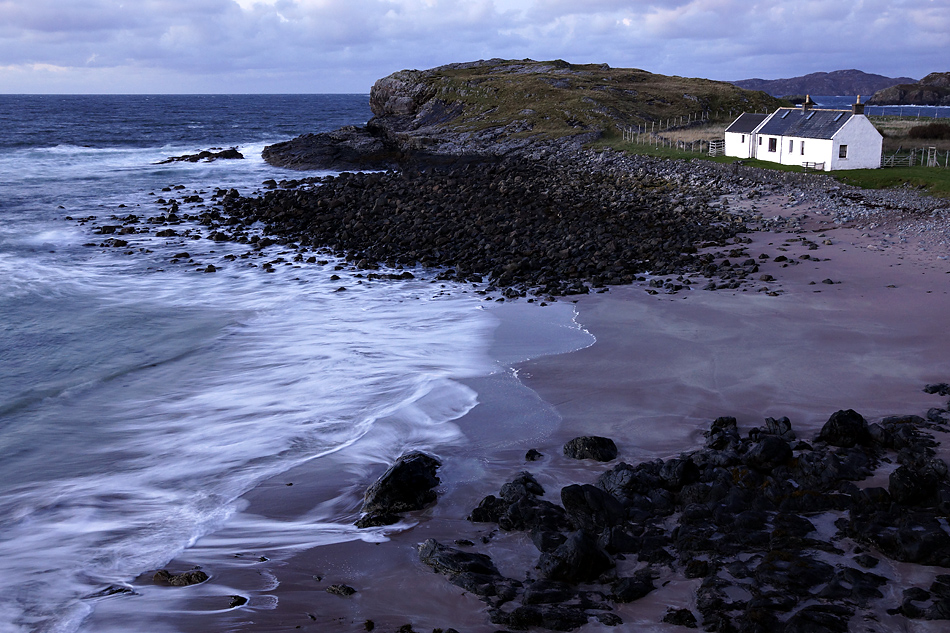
343 46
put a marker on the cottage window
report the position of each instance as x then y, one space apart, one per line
773 144
760 140
803 148
743 138
791 146
843 151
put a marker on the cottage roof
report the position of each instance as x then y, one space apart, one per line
746 123
808 124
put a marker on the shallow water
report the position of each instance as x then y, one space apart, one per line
140 398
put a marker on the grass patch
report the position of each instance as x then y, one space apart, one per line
933 180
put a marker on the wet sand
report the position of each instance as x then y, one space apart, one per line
662 368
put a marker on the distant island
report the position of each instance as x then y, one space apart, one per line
932 90
839 82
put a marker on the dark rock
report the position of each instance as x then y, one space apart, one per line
678 472
547 541
696 569
236 601
341 590
781 427
590 508
853 585
723 433
609 619
552 617
601 449
531 513
845 428
634 587
111 590
915 486
547 592
206 155
680 617
770 452
579 559
820 618
866 560
792 571
533 455
406 486
524 484
194 577
473 572
940 389
912 537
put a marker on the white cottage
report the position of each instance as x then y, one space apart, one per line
822 139
740 135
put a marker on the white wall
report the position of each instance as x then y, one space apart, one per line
736 147
864 145
817 150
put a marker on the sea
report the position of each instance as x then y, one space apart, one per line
142 398
910 112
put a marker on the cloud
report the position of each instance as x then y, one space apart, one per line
344 45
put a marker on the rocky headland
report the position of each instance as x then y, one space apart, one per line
932 90
495 108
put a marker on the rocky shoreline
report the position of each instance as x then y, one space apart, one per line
543 228
781 534
561 220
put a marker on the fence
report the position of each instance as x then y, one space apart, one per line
632 132
928 157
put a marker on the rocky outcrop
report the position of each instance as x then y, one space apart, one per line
932 90
775 529
206 155
530 226
494 108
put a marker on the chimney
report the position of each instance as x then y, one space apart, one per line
858 107
808 104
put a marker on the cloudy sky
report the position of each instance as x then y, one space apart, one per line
227 46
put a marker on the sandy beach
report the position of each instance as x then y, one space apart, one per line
662 367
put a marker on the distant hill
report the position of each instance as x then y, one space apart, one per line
839 82
934 89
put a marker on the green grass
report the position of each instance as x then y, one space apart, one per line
933 180
642 149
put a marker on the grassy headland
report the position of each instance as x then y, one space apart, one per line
554 99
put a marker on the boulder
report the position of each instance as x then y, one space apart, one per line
770 452
845 429
634 587
406 486
473 572
194 577
590 508
601 449
579 559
